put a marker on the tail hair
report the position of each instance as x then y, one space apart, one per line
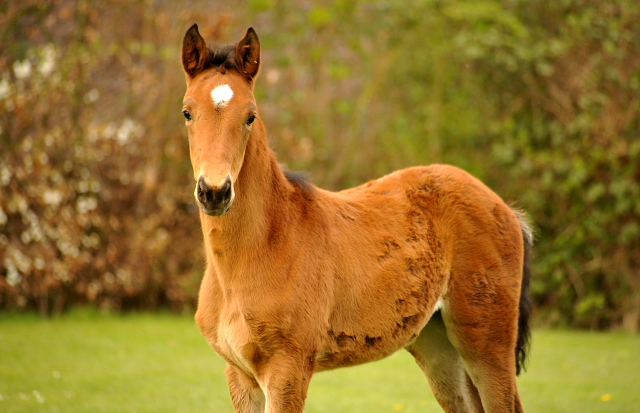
523 343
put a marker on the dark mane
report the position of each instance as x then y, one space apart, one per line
223 58
300 179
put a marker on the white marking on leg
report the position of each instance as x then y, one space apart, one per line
439 305
266 397
221 95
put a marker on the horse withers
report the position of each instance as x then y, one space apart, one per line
300 280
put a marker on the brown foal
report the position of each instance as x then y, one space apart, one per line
300 279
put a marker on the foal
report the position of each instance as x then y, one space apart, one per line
299 279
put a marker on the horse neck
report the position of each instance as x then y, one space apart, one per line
240 233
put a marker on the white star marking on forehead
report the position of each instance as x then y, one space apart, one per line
221 95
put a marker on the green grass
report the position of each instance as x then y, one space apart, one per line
85 362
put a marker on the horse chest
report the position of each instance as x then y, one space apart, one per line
234 341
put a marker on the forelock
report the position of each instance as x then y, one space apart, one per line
222 58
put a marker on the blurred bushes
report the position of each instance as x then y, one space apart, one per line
538 99
565 81
95 204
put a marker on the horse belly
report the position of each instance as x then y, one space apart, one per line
357 347
386 313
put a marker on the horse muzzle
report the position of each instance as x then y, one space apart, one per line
214 201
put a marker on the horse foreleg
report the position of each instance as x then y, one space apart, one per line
246 394
286 379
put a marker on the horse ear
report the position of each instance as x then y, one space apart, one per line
194 52
248 54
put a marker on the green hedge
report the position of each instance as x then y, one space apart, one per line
541 100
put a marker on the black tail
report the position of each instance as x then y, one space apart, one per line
524 330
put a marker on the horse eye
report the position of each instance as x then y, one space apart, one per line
251 119
186 114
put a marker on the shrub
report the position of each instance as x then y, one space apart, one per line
538 99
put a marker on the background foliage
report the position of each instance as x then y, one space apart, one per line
541 100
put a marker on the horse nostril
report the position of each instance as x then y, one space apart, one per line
226 191
214 201
203 191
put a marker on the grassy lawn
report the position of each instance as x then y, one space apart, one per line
86 362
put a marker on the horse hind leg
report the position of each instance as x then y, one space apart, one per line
484 330
491 367
444 369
